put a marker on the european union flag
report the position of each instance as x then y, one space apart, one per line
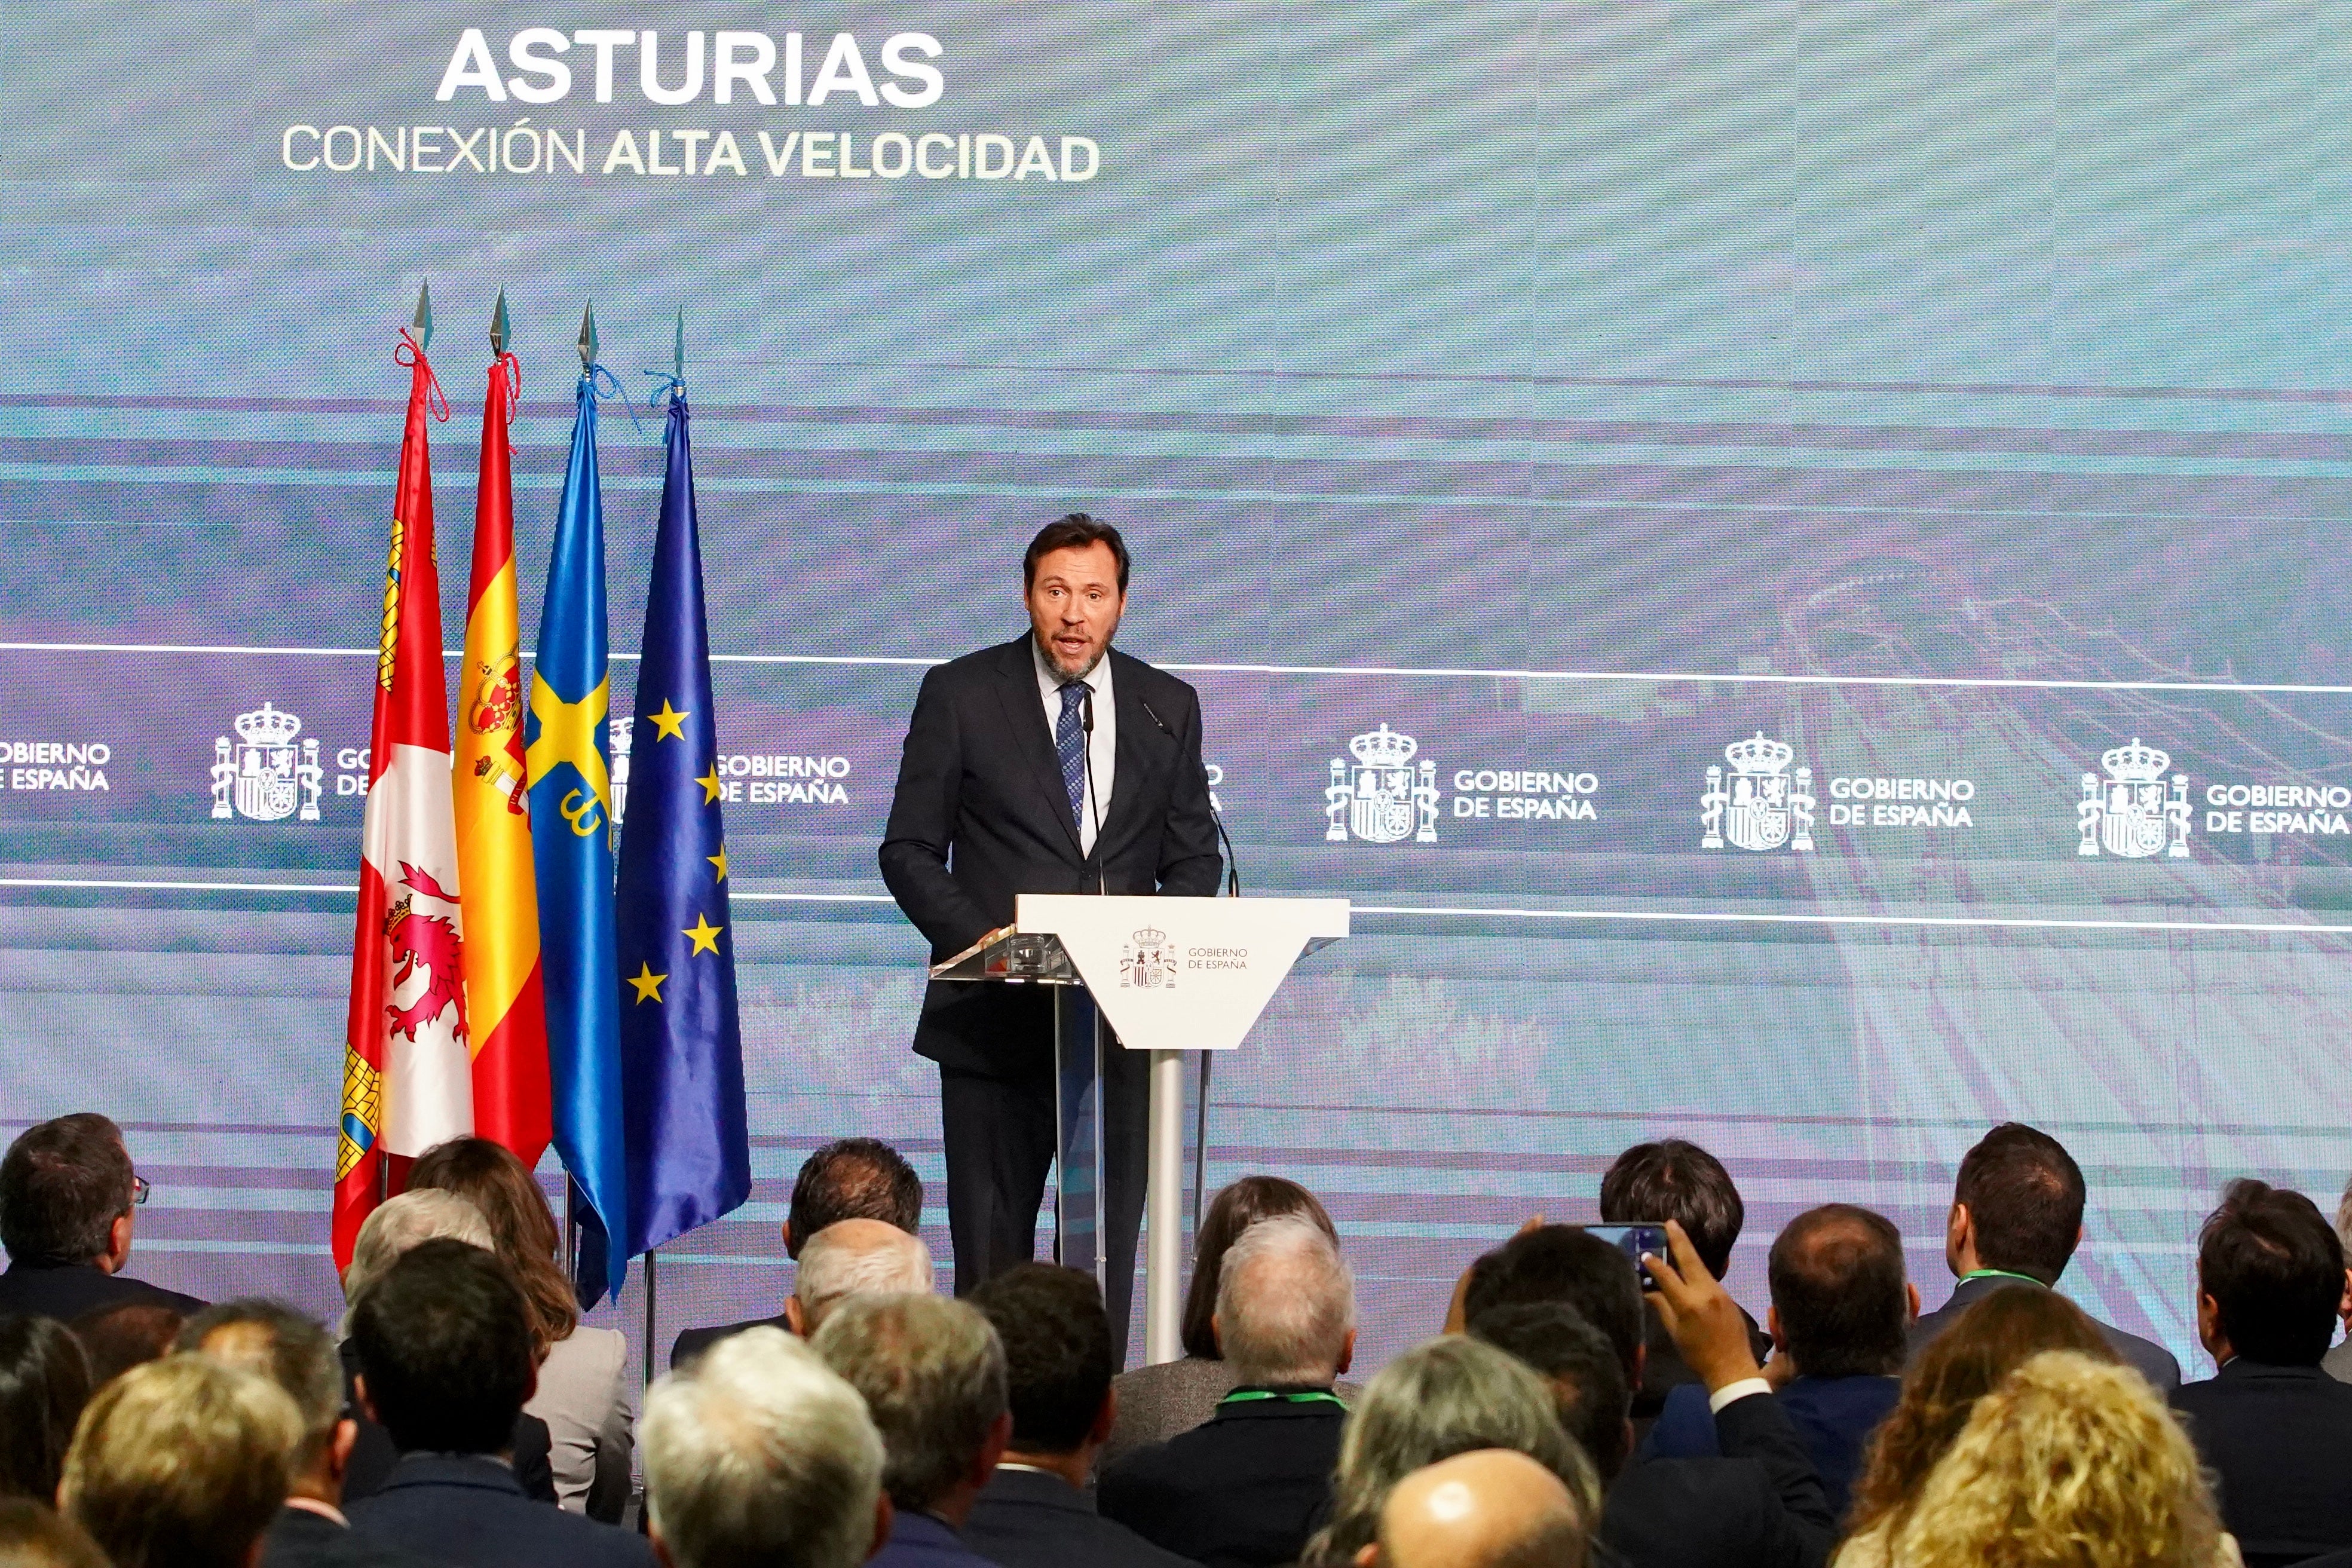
681 1042
567 754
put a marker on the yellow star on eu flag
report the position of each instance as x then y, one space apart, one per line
710 784
648 983
720 860
704 934
666 723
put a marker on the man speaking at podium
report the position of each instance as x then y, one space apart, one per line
1047 765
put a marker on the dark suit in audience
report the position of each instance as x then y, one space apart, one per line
692 1343
1663 1369
1834 1417
1029 1518
466 1510
2152 1361
373 1453
1761 1505
303 1537
925 1540
2278 1441
1243 1491
68 1291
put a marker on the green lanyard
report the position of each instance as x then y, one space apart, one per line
1999 1274
1259 1395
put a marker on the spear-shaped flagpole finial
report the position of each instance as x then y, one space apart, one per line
588 336
424 322
678 349
499 328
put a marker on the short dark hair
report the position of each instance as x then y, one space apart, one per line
1676 1179
444 1342
1074 531
2025 1194
1588 1382
44 1382
2275 1270
62 1185
1057 1363
1565 1263
1233 1211
130 1334
853 1178
1836 1277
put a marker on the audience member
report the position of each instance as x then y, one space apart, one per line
447 1360
582 1392
1588 1382
1037 1511
274 1342
44 1382
180 1463
68 1198
1488 1509
1156 1402
2016 1219
1450 1395
1562 1263
1246 1489
120 1338
2073 1461
32 1535
397 1225
2338 1361
1990 1340
932 1376
1674 1179
2274 1428
849 1178
847 1258
758 1454
1841 1310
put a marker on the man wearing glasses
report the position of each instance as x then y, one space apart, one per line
67 1196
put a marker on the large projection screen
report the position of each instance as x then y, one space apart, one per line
1787 557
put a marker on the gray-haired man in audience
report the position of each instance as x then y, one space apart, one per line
847 1258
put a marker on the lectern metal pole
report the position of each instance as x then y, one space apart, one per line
1164 1264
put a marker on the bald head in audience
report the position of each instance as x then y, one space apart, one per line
855 1257
1491 1507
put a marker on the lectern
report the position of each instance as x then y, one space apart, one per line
1168 975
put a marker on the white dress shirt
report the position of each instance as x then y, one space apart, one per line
1102 754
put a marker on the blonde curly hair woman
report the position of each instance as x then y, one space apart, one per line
2067 1462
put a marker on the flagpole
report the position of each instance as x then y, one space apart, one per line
649 1315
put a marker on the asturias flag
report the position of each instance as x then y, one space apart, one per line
681 1044
568 754
406 1081
493 808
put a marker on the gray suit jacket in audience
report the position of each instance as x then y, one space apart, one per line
1156 1402
2337 1363
2153 1362
584 1397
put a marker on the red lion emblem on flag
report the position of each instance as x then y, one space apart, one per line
428 944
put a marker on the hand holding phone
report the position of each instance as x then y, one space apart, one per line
1633 1240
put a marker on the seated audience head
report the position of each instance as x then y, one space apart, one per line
2070 1460
2270 1277
1563 1263
181 1463
44 1382
67 1194
403 1222
1488 1508
273 1341
1286 1306
855 1257
2017 1205
932 1376
755 1452
1451 1395
488 1175
1990 1340
1841 1305
1057 1362
447 1357
1587 1381
32 1535
120 1338
1676 1179
1232 1212
853 1178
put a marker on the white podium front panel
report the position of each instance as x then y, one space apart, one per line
1183 975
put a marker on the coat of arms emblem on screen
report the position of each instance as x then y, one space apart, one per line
1384 798
1757 805
262 774
2132 812
1148 962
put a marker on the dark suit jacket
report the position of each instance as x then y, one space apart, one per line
374 1455
2152 1361
1835 1417
980 814
692 1343
1026 1518
468 1512
298 1537
1243 1491
1759 1507
1663 1369
2279 1439
923 1541
67 1291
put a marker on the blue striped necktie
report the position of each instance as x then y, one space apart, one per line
1071 742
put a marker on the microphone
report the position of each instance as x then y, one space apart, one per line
1094 805
1232 862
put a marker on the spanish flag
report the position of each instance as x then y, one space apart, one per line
492 801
